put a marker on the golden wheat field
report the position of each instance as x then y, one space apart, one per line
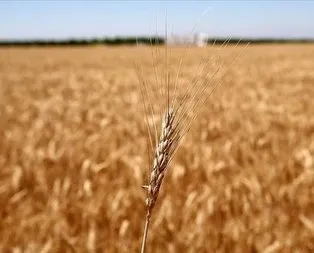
73 154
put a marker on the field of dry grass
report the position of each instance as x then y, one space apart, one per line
73 154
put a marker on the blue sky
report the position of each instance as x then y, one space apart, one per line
64 19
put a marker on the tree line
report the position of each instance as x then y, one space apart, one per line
82 42
141 40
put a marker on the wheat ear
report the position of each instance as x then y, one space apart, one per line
159 168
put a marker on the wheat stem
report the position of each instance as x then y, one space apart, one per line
145 233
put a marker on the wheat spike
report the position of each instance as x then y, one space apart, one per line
161 159
160 165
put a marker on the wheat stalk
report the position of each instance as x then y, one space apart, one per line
177 112
176 122
160 165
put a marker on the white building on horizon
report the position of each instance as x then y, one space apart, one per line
199 40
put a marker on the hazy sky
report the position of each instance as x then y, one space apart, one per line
64 19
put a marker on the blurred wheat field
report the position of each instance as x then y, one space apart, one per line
73 154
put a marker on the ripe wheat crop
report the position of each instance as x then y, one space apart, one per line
73 151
